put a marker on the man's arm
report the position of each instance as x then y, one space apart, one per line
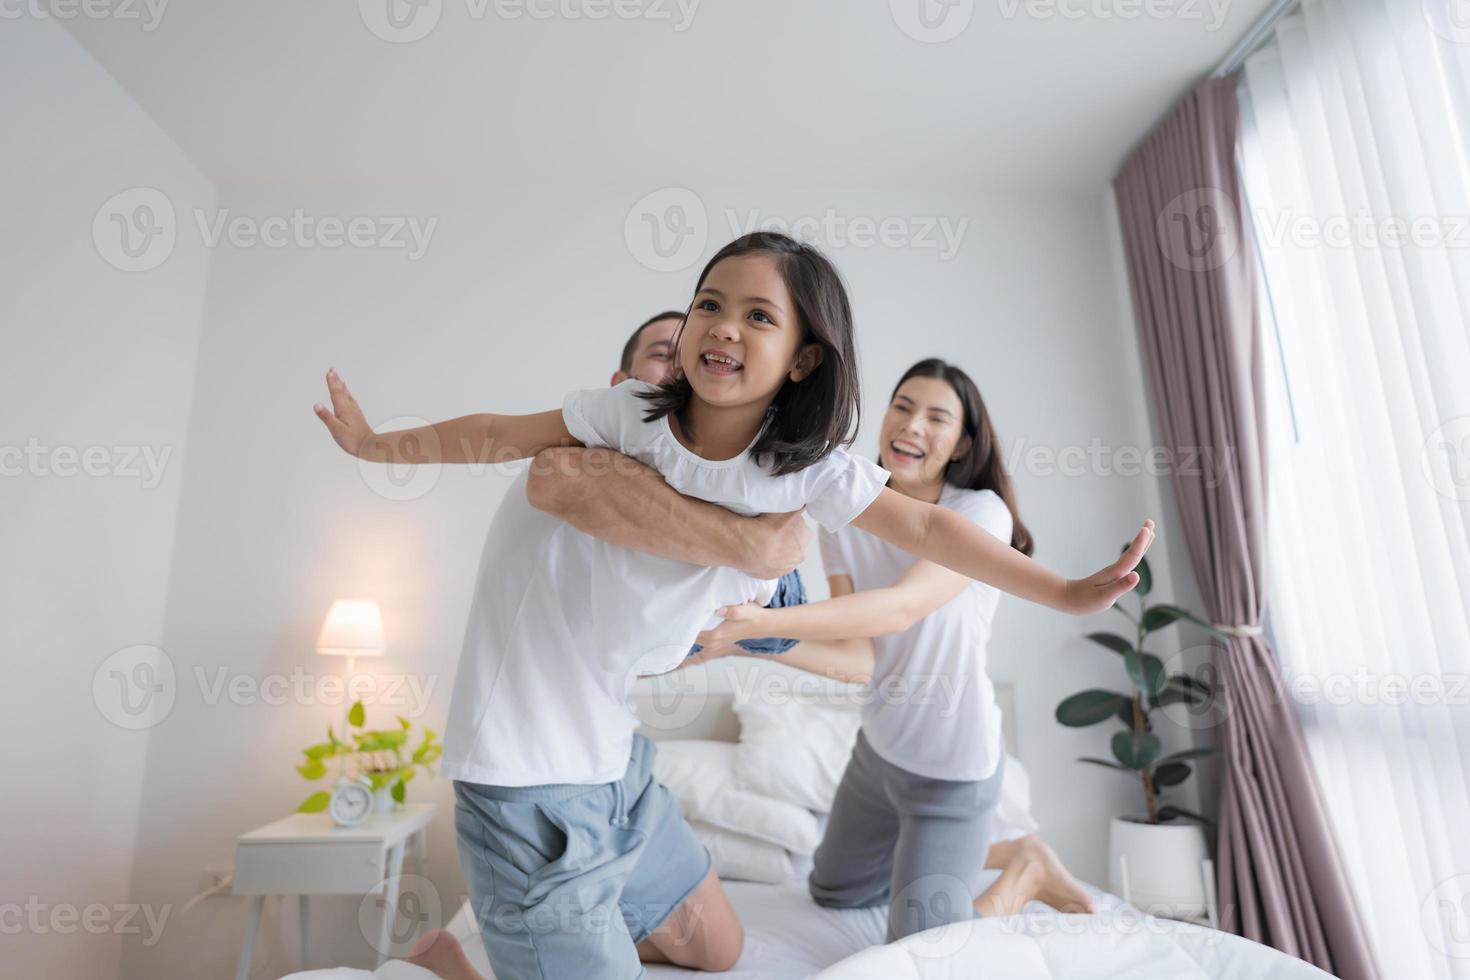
618 499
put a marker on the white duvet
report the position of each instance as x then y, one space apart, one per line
788 937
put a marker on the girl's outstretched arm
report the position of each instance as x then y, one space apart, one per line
480 438
949 539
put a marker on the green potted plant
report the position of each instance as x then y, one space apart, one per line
1154 859
380 758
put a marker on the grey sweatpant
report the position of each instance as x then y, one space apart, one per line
914 842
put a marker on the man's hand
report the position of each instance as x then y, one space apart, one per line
779 544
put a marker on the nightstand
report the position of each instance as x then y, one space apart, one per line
307 854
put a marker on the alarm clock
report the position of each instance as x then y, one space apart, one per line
351 803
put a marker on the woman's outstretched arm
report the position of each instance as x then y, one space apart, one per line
847 660
480 438
949 539
919 591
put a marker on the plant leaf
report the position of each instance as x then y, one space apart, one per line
315 803
1157 617
1171 773
399 791
1136 750
312 769
356 714
1105 762
1169 811
1145 577
322 750
1090 707
1112 641
1187 754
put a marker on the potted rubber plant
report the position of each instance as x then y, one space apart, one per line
1154 859
380 759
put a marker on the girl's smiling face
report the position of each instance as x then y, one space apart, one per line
742 339
923 430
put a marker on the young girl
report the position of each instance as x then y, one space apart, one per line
912 814
556 804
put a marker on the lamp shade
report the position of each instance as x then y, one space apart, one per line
354 628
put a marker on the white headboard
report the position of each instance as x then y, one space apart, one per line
681 706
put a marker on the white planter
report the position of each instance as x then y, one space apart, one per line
383 801
1160 868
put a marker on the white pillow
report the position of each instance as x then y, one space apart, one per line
796 750
792 750
701 775
737 857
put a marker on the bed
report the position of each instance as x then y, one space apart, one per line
787 936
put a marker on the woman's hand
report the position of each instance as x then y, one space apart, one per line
1100 590
711 653
344 420
739 623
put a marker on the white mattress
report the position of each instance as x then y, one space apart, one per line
787 936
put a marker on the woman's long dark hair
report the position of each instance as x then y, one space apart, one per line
811 417
981 468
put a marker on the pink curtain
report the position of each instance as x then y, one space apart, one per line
1191 267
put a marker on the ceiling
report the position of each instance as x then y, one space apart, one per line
701 93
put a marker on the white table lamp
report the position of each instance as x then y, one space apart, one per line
354 628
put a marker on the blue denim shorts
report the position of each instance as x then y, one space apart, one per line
566 878
789 592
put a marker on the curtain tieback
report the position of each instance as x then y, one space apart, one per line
1239 631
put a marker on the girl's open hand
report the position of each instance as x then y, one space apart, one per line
344 420
1100 590
737 623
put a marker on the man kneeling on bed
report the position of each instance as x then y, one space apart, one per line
627 504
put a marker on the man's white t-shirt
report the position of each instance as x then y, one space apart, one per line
562 623
932 710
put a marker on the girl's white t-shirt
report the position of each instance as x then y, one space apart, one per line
931 707
562 624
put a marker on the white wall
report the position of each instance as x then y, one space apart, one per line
520 297
98 362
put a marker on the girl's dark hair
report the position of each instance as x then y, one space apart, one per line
981 468
811 417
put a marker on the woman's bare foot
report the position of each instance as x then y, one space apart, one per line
1052 883
442 955
1058 888
1020 881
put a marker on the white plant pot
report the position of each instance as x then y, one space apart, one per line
383 801
1159 868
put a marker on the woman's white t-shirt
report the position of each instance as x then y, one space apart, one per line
931 707
562 623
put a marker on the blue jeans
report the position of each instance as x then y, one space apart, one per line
789 592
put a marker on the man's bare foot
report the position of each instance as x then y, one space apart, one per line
442 955
1058 887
